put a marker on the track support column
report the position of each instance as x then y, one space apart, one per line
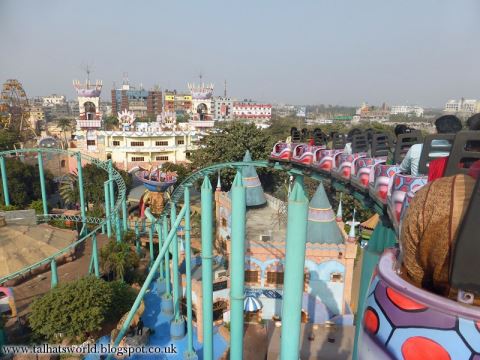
137 239
3 169
237 270
294 267
207 276
177 326
80 188
190 353
96 267
125 214
54 275
42 184
167 301
106 190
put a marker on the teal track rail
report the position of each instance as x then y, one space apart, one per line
76 218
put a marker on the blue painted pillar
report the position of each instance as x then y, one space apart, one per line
237 270
294 265
95 256
3 169
107 209
42 184
189 354
80 188
54 274
207 276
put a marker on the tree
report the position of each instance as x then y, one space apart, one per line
64 124
68 189
24 183
230 144
37 205
118 259
111 122
8 138
83 306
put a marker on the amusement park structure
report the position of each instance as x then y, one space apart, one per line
393 315
14 109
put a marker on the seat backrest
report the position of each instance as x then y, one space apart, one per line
404 142
465 151
339 141
319 137
380 145
434 146
360 143
295 134
465 269
305 133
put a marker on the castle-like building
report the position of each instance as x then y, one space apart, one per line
329 259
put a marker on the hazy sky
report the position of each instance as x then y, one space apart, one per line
318 51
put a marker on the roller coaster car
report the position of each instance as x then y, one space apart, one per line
303 154
380 182
400 186
363 168
323 159
345 165
282 151
402 321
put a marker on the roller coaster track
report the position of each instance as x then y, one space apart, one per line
121 192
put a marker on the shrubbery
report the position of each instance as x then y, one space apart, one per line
74 309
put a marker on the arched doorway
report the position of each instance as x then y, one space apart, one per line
90 110
202 110
304 317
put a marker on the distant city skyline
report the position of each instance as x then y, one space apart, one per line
313 52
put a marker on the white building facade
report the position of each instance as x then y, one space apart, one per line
252 111
468 106
53 100
407 110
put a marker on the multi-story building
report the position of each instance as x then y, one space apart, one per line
468 106
252 110
372 113
53 100
144 103
407 110
223 108
177 102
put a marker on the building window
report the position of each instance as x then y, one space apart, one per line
251 276
136 143
90 142
161 143
62 163
224 222
138 158
161 158
181 142
116 142
275 277
336 277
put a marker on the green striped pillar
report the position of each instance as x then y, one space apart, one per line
237 270
207 277
3 169
42 184
294 266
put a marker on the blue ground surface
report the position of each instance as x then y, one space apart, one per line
160 323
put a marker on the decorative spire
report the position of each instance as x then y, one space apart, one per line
322 228
340 210
255 195
219 184
353 224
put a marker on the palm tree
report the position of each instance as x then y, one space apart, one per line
118 259
68 189
64 124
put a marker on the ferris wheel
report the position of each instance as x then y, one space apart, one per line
14 109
